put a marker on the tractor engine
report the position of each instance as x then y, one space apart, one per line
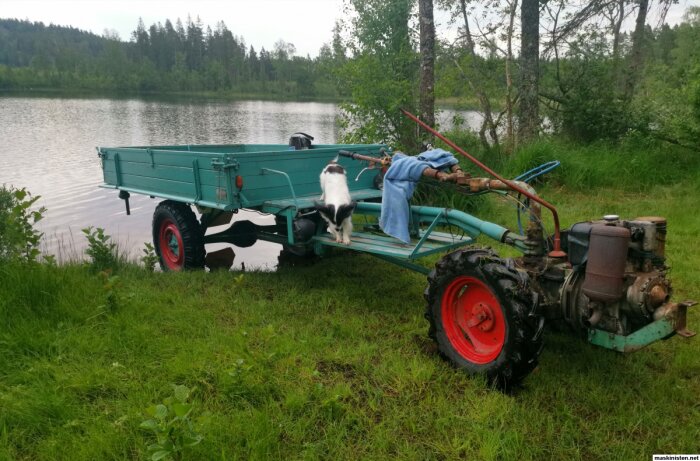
618 282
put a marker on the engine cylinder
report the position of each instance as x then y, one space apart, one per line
659 245
605 270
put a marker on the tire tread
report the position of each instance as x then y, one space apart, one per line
524 342
190 231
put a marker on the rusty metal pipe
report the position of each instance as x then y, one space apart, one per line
384 160
557 252
484 184
535 232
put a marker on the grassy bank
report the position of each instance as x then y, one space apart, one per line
332 360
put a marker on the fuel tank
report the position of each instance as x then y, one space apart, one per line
607 256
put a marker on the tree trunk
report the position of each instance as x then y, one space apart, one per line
476 86
636 62
617 27
427 63
510 135
528 114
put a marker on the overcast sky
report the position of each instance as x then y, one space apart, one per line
307 24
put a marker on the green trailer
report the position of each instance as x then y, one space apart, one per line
605 278
272 179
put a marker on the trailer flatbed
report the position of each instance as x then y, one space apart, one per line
271 178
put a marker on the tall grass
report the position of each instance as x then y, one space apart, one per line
633 164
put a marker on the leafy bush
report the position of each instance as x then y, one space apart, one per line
173 426
592 105
18 238
381 78
149 258
102 252
675 109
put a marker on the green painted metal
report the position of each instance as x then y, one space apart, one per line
471 225
169 172
646 335
117 170
383 245
291 186
405 264
308 201
424 237
197 180
283 182
289 215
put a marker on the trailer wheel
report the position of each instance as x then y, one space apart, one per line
483 316
177 237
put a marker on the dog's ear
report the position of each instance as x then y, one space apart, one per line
345 211
326 210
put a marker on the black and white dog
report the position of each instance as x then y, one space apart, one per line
337 204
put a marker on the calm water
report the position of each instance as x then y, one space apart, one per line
49 148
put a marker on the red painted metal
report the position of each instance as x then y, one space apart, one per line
473 320
557 252
173 258
239 181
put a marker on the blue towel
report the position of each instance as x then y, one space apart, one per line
400 182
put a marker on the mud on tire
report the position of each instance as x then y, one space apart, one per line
483 316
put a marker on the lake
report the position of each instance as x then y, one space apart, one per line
49 148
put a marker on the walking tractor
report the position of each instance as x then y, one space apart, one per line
604 278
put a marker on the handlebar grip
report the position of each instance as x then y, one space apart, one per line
345 153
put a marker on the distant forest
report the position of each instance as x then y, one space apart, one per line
594 79
161 58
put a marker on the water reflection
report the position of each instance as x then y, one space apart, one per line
49 148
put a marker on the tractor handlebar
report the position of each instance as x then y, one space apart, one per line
385 160
456 175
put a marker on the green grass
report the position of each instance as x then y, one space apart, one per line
331 361
633 165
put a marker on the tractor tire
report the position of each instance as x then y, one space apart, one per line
483 316
177 237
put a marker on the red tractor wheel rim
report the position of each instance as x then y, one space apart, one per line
473 320
171 247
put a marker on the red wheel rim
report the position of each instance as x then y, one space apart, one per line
473 320
171 247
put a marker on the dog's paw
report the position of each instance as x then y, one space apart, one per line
346 241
